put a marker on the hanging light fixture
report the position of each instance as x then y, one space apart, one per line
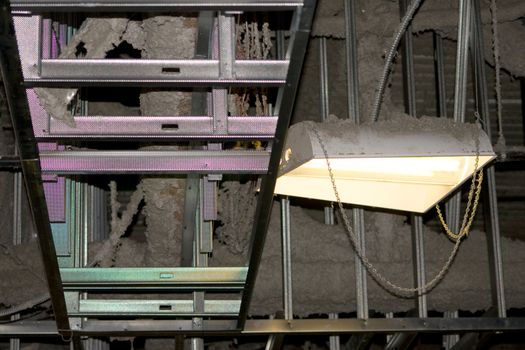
404 164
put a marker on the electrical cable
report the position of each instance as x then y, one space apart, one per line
405 22
497 67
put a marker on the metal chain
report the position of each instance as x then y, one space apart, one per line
372 270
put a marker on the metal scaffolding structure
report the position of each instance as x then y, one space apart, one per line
70 279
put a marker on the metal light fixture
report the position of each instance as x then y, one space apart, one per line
404 164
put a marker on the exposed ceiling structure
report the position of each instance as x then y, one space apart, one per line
141 143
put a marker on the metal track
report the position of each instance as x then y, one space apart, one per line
156 5
265 327
285 102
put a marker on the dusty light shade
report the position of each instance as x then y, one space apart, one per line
403 164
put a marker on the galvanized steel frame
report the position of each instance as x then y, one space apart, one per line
169 328
11 71
301 24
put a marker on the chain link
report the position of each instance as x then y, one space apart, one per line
372 270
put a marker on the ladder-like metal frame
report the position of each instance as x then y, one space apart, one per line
217 73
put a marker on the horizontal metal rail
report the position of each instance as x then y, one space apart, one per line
155 308
10 163
265 327
154 162
133 278
149 72
156 5
166 127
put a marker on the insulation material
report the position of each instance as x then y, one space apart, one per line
324 276
166 38
164 210
108 251
94 39
22 271
375 27
236 224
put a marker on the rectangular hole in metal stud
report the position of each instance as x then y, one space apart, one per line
169 127
171 70
165 307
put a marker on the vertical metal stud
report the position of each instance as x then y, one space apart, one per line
325 107
14 343
409 83
490 201
441 96
352 82
439 70
287 258
453 206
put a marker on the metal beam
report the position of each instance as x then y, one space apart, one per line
439 72
284 108
354 114
154 127
490 200
156 5
460 96
154 162
154 308
150 72
21 120
264 327
154 278
10 163
409 84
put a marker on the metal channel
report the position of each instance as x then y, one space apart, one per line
124 72
14 343
325 107
490 200
286 244
21 120
155 308
154 127
156 5
182 278
439 71
285 102
324 86
198 107
354 114
154 162
441 96
453 206
450 340
275 326
409 83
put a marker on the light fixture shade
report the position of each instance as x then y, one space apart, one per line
404 164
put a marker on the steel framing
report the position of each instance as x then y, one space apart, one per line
29 161
21 120
253 327
38 6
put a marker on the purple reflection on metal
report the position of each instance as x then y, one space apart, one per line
54 188
152 162
261 127
209 199
46 38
